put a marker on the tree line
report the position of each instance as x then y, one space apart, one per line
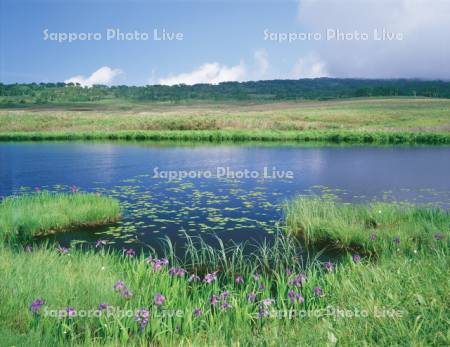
271 90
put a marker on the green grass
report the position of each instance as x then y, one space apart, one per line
26 216
355 137
412 291
396 120
398 298
374 228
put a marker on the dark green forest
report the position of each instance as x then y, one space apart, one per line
273 90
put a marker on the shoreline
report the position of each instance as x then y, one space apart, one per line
217 136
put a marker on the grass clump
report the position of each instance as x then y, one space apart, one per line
373 228
26 216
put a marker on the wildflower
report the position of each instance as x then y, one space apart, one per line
263 311
178 272
211 277
102 307
256 277
100 243
225 305
197 312
293 296
130 252
142 317
74 189
373 237
126 293
439 236
329 266
159 299
70 312
239 280
288 272
267 302
214 299
318 291
122 288
262 286
356 258
224 295
149 259
28 248
251 297
36 305
193 278
298 280
119 285
62 250
396 240
157 263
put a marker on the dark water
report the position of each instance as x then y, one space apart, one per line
233 209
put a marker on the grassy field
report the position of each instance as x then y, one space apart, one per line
23 217
272 297
404 118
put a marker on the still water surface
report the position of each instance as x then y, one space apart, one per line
233 209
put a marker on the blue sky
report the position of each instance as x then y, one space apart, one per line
221 40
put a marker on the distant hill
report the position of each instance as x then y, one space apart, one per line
272 90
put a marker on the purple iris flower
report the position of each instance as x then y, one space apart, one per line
130 252
159 299
211 277
356 258
36 305
142 317
197 312
102 307
214 299
373 237
329 266
318 291
62 250
70 312
251 297
225 305
298 280
239 280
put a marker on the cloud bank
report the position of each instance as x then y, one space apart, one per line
213 73
104 75
424 51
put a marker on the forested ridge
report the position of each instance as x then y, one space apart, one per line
270 90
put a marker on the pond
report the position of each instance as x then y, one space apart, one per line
214 202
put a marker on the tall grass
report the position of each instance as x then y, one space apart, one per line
373 228
23 217
329 136
399 297
401 300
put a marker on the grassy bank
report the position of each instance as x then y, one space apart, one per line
23 217
400 300
396 120
373 229
377 137
275 296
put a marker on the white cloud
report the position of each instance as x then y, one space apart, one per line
422 53
262 61
104 75
309 66
213 73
